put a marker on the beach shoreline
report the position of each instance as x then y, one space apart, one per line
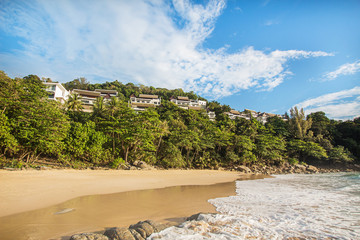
22 191
32 198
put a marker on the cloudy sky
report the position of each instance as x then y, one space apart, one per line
265 55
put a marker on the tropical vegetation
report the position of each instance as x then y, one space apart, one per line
33 128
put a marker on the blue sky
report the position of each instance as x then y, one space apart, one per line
264 55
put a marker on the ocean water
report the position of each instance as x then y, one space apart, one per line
320 206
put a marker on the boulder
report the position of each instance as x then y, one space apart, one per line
312 169
194 217
139 231
144 228
89 236
44 168
136 234
142 165
119 234
244 169
300 167
158 226
198 216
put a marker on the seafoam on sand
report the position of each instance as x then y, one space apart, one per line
321 206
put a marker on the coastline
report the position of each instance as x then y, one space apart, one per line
166 196
28 190
166 205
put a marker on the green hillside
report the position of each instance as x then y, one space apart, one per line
33 128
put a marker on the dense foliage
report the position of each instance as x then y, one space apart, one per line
33 127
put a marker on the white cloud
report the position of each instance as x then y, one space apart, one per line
345 69
339 105
147 42
271 22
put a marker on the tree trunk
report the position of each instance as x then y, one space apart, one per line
126 154
113 144
158 147
195 155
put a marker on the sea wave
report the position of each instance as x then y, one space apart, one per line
321 206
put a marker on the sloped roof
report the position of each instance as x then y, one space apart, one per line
106 91
148 96
86 93
182 98
235 112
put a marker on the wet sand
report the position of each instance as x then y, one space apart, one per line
22 191
97 212
115 203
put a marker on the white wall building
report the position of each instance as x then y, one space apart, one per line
144 101
106 93
56 92
88 98
233 114
211 115
186 103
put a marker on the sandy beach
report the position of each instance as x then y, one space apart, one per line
22 191
30 200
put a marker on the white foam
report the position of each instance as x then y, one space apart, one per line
303 206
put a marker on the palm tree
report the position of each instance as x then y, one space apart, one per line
99 107
74 103
298 123
113 105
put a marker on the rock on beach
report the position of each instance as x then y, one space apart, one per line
138 231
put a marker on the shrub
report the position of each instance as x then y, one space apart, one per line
116 163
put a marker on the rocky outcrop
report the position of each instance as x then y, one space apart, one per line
119 234
312 169
243 168
142 165
89 236
139 231
197 215
282 169
287 168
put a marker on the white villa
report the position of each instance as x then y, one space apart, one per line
88 98
249 114
211 115
106 93
144 101
233 114
186 103
56 92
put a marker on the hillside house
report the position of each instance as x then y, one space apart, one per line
88 98
262 117
186 103
106 93
211 115
144 101
253 113
56 92
233 114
